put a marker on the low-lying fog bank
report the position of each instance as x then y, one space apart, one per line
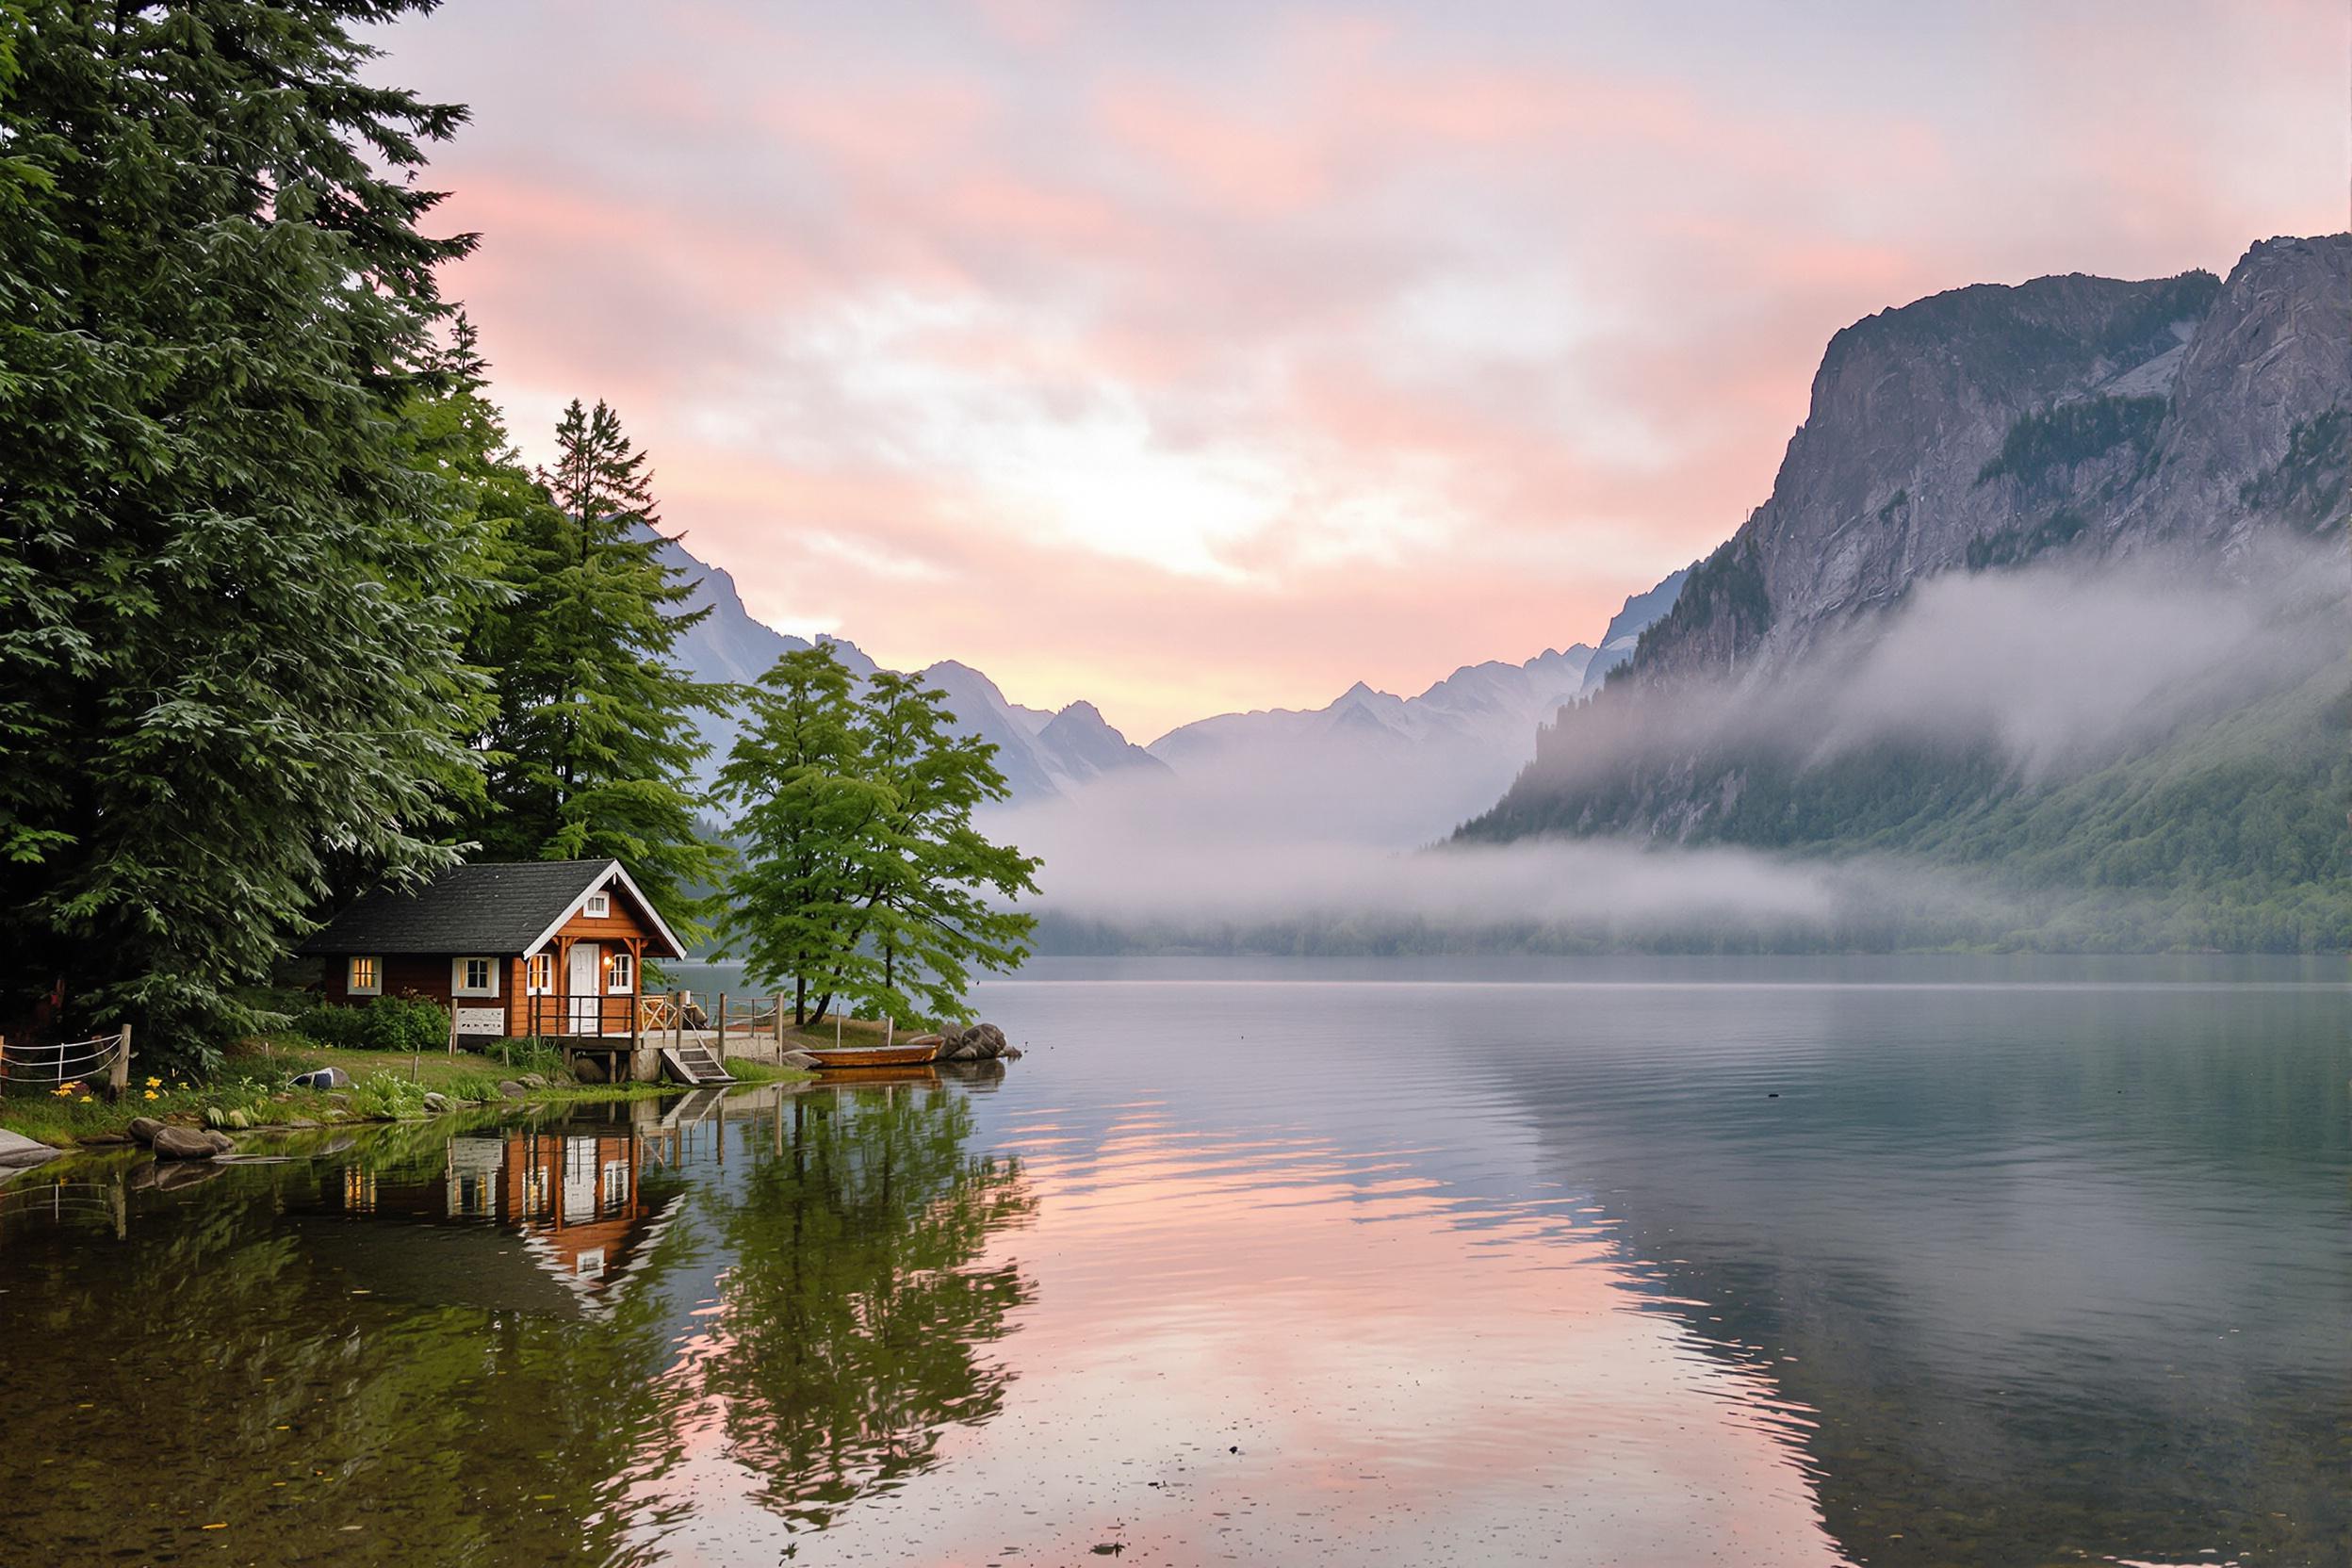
2066 757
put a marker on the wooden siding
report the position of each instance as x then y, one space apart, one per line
621 924
428 974
425 974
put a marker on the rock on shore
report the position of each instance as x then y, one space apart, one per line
190 1143
982 1042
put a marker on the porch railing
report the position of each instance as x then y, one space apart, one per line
581 1015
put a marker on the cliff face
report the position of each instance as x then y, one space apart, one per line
2107 426
1991 425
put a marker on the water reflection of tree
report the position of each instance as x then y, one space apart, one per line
226 1375
856 1311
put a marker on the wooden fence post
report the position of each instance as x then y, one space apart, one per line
721 1052
119 1076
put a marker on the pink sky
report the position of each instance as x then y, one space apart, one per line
1196 357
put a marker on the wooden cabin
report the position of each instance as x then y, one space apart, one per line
524 948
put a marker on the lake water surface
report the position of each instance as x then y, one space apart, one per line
1605 1262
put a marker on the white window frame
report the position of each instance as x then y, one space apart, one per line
351 975
620 971
599 907
532 984
457 985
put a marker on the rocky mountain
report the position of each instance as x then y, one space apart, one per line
2046 492
1042 754
1987 427
1375 765
1434 757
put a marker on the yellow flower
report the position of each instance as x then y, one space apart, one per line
155 1082
150 1094
85 1100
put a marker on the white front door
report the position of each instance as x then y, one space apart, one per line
587 988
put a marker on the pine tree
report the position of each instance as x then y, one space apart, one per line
593 745
230 594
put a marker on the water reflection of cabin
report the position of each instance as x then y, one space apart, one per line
569 1196
513 950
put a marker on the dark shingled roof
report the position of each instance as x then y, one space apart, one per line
493 908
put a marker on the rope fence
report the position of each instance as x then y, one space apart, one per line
52 1066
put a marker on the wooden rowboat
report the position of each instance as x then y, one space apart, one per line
919 1052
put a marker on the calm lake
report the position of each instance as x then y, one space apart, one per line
1604 1262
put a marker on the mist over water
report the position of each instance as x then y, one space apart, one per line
2050 671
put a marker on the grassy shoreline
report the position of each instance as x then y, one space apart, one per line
251 1092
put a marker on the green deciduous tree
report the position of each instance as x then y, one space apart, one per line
934 886
592 742
230 594
864 878
796 776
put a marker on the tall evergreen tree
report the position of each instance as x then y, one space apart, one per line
229 594
592 748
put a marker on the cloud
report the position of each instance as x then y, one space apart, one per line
1493 314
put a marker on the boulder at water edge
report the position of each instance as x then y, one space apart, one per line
982 1042
190 1143
144 1128
800 1059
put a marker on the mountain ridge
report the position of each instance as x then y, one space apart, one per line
731 645
2086 468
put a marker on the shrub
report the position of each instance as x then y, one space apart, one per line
381 1094
387 1024
403 1024
330 1026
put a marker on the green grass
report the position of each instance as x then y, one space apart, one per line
251 1089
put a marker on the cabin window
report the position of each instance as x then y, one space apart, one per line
475 977
542 977
367 977
624 971
599 906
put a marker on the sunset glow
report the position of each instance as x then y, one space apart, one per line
1198 358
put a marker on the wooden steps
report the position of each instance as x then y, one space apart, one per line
694 1064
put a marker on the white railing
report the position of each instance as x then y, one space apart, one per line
67 1062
